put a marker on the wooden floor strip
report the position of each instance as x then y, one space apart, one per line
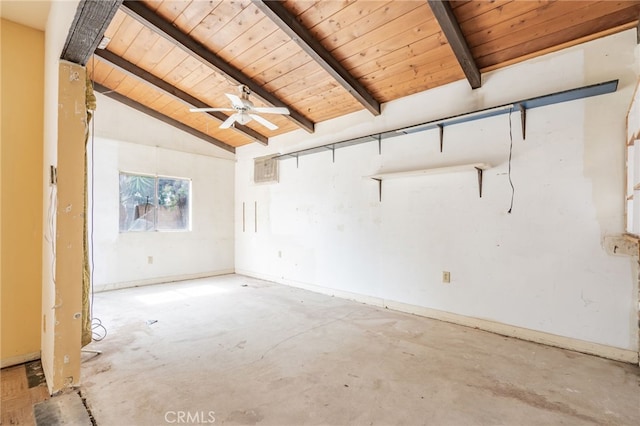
21 386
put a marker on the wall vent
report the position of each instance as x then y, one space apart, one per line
265 169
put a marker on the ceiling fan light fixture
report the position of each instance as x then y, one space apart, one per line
245 111
243 118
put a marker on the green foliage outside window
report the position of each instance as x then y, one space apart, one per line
149 203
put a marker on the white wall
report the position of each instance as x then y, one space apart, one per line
129 141
542 267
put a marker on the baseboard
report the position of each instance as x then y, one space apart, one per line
98 288
604 351
362 298
19 359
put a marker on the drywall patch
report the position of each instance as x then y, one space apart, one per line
621 245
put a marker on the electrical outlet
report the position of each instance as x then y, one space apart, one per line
446 277
150 260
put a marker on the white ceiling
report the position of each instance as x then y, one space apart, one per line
32 13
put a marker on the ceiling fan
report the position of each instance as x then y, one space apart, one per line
245 111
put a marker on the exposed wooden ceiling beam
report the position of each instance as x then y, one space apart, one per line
157 115
87 29
173 91
149 18
444 14
288 23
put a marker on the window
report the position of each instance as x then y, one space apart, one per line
154 203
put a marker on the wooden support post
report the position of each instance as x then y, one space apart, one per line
61 359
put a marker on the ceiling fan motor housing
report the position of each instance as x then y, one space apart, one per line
244 92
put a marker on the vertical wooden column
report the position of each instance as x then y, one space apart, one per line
67 311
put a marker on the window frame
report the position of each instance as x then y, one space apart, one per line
155 203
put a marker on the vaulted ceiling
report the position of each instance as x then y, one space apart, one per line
321 59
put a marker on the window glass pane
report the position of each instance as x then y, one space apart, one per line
137 200
173 204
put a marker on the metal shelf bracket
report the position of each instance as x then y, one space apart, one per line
332 148
523 120
379 188
479 181
523 106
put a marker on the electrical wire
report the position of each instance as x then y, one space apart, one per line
98 330
513 189
51 225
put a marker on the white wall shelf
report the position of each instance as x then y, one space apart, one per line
522 106
478 167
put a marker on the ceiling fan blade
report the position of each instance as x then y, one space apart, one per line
229 121
266 123
210 109
271 110
235 101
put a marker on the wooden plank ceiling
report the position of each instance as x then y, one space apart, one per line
165 56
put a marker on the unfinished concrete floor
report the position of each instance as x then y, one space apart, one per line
243 351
